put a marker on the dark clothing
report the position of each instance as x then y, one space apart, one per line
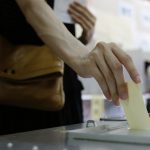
14 27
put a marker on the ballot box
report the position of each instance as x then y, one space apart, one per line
108 131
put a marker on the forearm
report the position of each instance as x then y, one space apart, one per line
52 31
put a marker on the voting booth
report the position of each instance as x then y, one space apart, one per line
135 130
105 127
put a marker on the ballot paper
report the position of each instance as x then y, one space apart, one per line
119 132
61 9
135 110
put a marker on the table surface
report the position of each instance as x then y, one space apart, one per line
57 139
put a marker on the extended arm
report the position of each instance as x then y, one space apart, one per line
104 62
51 30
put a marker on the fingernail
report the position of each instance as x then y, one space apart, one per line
117 103
124 96
108 96
138 79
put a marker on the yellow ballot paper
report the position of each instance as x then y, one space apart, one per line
135 110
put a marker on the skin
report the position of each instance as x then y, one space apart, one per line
81 15
105 62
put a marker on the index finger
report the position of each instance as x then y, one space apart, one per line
126 60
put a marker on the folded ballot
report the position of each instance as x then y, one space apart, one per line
136 131
135 110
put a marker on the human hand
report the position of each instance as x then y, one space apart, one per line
81 15
105 63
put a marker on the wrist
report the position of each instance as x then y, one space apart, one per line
76 56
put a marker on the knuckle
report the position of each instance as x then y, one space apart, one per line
118 66
94 54
101 45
